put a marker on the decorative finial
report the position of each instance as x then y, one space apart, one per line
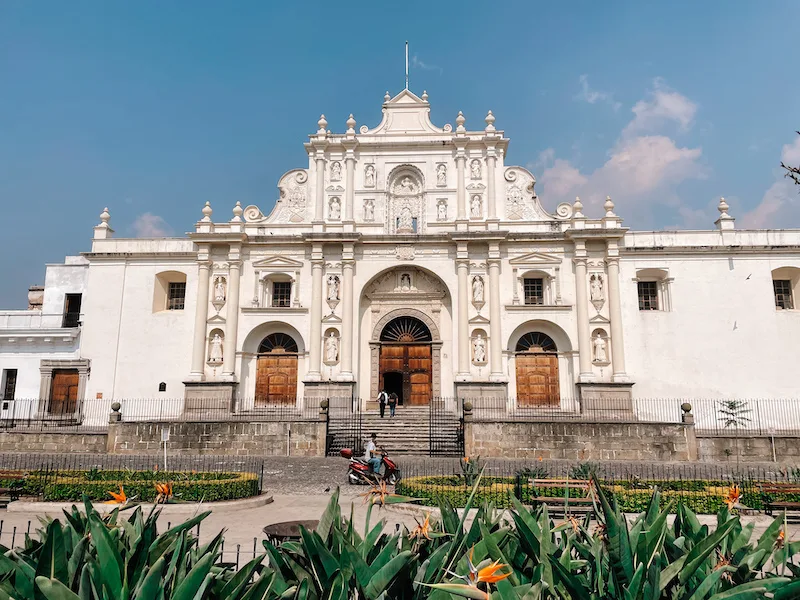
386 97
425 95
725 221
723 207
207 212
237 213
489 122
609 206
577 208
105 216
460 120
322 123
351 124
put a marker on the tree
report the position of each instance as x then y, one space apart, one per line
734 415
792 172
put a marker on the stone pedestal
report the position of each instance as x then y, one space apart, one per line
338 393
607 399
475 391
203 399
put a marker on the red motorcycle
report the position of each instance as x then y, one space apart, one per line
359 470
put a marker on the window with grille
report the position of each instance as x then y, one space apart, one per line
9 383
783 294
282 293
648 295
534 291
176 295
72 310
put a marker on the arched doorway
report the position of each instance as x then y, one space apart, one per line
276 370
405 364
536 362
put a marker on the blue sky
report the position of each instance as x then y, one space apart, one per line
152 108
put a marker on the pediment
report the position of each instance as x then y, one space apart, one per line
406 97
476 187
331 318
406 113
277 262
535 259
479 320
334 188
599 319
216 320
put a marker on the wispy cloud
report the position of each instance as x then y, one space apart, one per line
587 94
149 225
662 105
417 63
781 202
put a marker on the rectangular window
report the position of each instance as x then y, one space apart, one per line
9 383
176 297
648 295
534 291
72 310
783 294
282 293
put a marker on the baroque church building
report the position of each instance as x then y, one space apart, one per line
412 258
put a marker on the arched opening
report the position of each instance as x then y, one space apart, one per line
536 362
276 370
405 364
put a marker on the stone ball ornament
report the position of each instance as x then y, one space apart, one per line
115 406
686 407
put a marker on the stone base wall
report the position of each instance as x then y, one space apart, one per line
748 449
299 438
49 442
580 441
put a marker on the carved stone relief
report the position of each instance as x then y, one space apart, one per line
369 210
369 176
475 168
336 171
596 291
441 175
522 203
441 210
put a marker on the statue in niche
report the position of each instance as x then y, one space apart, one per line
336 171
477 289
477 209
599 349
333 287
596 288
369 176
215 352
441 211
441 175
219 289
405 221
475 168
369 210
331 348
407 186
335 211
479 349
405 282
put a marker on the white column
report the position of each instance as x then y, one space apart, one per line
461 191
615 312
463 320
314 352
319 204
582 301
491 163
350 179
347 320
495 346
231 320
200 319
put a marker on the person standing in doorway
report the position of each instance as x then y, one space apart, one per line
383 398
392 403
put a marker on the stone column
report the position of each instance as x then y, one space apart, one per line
200 319
314 352
495 346
350 179
463 320
491 163
319 204
615 313
582 301
461 191
347 317
231 319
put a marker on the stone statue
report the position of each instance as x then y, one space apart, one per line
477 289
441 214
599 349
335 212
479 349
219 289
215 354
331 348
477 211
406 220
441 175
369 176
369 210
596 288
405 282
475 168
333 287
336 171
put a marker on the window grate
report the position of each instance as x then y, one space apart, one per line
648 295
534 291
9 384
176 298
282 294
783 294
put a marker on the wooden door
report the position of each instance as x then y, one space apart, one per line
64 392
276 379
537 380
419 374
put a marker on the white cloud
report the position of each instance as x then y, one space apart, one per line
562 177
417 63
780 204
790 153
587 94
663 105
149 225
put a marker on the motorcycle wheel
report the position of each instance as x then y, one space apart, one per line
394 478
353 479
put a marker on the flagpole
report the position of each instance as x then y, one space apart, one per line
406 64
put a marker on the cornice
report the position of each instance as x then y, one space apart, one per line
596 234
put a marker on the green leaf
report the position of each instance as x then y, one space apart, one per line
619 547
162 542
53 557
459 589
237 584
788 592
191 584
53 589
710 582
152 582
111 565
574 585
332 514
261 587
384 576
752 590
701 551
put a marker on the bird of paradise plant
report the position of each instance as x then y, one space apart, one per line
164 491
482 575
119 498
733 495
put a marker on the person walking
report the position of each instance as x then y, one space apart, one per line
392 404
383 397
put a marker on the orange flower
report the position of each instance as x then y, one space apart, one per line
485 572
733 495
466 460
164 491
422 531
120 498
781 540
488 574
377 494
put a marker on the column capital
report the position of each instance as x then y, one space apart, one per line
462 262
348 263
612 260
493 261
317 263
580 261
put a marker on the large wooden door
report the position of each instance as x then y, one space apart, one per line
64 392
414 363
537 379
276 379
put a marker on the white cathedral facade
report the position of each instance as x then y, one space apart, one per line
411 258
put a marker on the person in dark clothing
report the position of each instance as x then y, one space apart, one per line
392 404
383 397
